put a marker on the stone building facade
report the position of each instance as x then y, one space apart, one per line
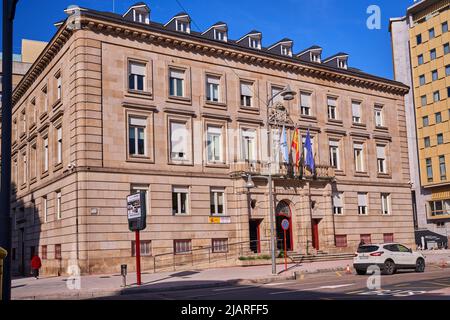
120 104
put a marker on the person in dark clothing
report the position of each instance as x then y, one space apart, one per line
362 243
36 264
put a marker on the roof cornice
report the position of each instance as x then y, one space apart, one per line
192 42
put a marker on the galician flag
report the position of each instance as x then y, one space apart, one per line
296 147
284 146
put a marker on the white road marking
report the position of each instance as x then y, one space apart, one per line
277 283
230 289
314 289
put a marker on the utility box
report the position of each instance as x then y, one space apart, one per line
3 254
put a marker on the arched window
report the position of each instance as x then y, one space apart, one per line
283 209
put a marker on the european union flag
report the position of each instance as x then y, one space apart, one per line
309 161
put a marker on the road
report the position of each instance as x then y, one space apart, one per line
433 284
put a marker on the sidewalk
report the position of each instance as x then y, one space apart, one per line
110 285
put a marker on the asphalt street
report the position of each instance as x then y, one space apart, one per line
433 284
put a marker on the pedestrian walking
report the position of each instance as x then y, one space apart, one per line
36 264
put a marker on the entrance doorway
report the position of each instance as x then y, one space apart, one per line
315 234
255 237
283 212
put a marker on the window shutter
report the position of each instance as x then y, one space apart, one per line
215 130
180 190
177 74
140 122
358 146
381 152
251 134
246 89
137 68
178 137
362 199
337 200
334 143
332 102
356 109
213 80
305 99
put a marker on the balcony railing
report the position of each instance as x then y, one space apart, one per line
256 168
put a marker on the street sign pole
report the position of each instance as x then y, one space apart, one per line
285 226
138 258
9 9
285 253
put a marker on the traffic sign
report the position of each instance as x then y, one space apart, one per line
285 224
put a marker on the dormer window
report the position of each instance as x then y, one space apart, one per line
220 35
182 26
254 43
342 63
286 50
141 16
315 57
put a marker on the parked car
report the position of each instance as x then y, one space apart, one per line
389 257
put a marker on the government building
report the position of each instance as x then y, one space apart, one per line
119 104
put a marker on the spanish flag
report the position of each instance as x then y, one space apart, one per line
296 147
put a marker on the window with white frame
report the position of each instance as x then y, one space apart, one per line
381 159
33 161
286 50
33 111
45 98
59 146
136 75
254 43
217 201
179 136
334 154
305 103
137 127
214 143
138 188
182 246
356 112
362 204
24 168
379 119
315 57
58 205
342 63
276 95
246 94
58 86
182 26
146 248
180 198
219 245
45 208
332 108
385 203
46 154
23 121
248 143
338 205
358 149
176 83
220 35
213 89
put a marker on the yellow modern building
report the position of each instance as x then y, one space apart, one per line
427 32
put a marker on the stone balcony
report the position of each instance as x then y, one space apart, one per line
283 171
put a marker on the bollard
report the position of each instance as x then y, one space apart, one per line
123 272
3 254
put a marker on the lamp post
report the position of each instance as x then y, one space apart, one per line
9 9
287 95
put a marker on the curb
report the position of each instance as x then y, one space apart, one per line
137 290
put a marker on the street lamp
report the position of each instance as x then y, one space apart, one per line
288 95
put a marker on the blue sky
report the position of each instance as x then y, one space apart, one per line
335 25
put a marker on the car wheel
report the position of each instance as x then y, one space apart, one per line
420 265
361 272
389 267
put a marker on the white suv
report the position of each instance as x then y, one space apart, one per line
389 257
